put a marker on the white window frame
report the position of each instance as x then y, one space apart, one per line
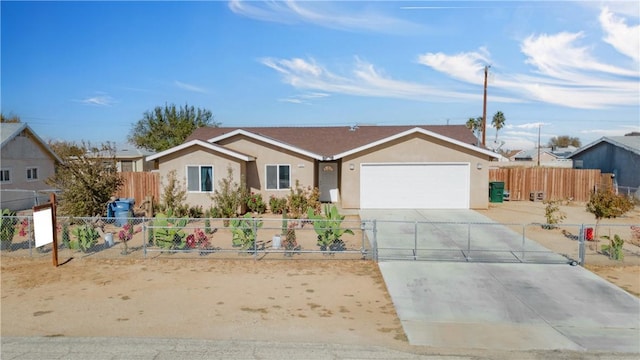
8 171
199 178
266 177
29 173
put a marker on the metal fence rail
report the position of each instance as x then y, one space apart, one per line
188 237
503 242
253 238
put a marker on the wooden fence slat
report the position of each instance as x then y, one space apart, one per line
556 183
139 185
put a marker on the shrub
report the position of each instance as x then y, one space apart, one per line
614 249
290 242
277 205
168 233
301 199
7 228
174 196
329 229
244 232
256 204
606 204
552 213
196 212
86 238
229 196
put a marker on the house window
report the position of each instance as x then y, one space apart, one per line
200 178
32 173
278 177
578 164
126 165
5 175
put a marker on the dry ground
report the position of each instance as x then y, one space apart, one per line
325 301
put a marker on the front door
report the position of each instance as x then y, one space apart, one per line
328 181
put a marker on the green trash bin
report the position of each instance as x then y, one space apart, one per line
496 191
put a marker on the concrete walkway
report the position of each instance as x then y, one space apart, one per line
498 305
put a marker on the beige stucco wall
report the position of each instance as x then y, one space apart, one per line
302 167
24 152
197 155
416 148
19 154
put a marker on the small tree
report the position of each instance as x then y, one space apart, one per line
553 214
606 204
230 196
174 195
87 178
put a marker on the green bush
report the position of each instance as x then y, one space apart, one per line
277 205
553 214
168 232
7 228
329 228
244 231
86 237
300 199
614 249
230 196
256 204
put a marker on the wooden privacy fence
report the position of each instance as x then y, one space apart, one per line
139 185
553 183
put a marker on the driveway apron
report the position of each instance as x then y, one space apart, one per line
491 302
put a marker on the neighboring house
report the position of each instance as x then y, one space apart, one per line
359 167
26 162
618 155
131 158
548 157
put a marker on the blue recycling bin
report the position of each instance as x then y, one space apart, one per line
122 210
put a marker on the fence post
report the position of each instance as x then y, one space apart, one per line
375 240
363 228
415 240
581 246
145 238
255 239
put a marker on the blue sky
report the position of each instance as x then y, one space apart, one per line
89 70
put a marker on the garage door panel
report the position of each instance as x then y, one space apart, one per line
424 185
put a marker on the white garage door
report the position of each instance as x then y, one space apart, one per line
414 186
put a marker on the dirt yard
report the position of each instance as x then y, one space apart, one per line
322 300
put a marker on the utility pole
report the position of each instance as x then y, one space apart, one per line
484 107
539 125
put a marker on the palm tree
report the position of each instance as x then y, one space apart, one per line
498 122
475 125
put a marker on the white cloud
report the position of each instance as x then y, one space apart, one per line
464 66
98 100
563 72
363 80
625 39
323 13
189 87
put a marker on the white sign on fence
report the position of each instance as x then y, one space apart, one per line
43 226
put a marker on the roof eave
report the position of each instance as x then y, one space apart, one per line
412 131
204 144
268 141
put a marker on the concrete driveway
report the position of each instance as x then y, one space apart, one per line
493 304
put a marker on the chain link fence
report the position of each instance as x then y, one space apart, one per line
257 238
190 237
